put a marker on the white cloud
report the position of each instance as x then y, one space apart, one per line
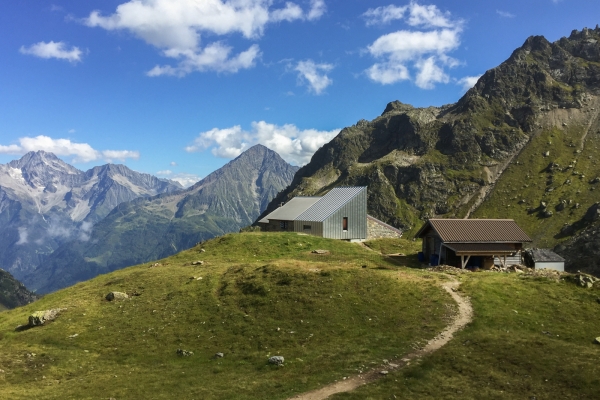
186 180
83 152
505 14
22 235
315 75
53 50
428 16
424 48
294 145
176 27
468 82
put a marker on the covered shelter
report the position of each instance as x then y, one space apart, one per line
472 242
340 214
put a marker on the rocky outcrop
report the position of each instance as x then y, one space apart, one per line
13 293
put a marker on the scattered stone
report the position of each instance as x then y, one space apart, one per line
41 317
184 353
116 296
219 355
277 360
198 263
320 251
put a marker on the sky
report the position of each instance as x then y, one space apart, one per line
177 88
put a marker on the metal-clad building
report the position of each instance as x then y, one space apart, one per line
340 214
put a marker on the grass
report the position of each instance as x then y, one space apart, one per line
261 294
529 179
531 338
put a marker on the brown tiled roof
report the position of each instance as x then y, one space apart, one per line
477 230
497 249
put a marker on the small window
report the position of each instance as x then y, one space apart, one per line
345 223
307 227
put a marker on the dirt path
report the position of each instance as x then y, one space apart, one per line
464 316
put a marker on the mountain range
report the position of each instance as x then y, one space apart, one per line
523 143
45 202
152 228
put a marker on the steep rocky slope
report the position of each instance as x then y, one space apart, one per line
488 155
13 293
152 228
45 202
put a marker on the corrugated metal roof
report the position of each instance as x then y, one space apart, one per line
477 230
544 255
329 203
481 248
290 210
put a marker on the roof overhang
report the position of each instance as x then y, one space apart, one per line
482 249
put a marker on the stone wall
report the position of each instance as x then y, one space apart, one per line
377 229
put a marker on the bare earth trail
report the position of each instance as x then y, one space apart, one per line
463 317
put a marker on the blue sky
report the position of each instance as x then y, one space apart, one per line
176 88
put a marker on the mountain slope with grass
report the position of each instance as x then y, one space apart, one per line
522 143
150 228
331 316
255 296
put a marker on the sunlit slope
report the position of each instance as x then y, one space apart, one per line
259 295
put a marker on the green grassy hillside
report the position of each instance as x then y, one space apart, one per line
259 295
567 174
530 339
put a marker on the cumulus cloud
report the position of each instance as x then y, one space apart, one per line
505 14
82 152
314 75
468 82
421 53
53 50
294 145
176 28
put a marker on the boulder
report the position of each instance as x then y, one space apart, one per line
41 317
277 360
116 296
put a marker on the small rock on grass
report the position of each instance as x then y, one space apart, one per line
116 296
277 360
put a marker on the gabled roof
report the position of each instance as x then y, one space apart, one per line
331 202
476 230
290 210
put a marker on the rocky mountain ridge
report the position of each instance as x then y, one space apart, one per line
152 228
486 155
45 202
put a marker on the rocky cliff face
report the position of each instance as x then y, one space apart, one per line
45 202
147 229
488 155
13 293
